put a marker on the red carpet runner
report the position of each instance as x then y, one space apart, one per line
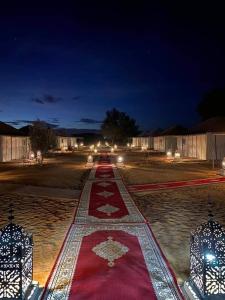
110 252
174 184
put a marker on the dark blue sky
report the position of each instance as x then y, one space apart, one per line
69 64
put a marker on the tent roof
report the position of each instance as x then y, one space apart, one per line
216 124
6 129
175 130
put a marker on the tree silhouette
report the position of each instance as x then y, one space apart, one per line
212 104
42 137
118 126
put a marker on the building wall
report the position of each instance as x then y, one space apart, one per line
65 142
146 141
14 147
215 146
193 146
159 143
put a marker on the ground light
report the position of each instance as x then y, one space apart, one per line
120 161
169 154
222 171
177 155
90 161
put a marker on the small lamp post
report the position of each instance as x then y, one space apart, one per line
16 263
120 161
207 262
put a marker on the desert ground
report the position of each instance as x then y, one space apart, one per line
45 199
173 214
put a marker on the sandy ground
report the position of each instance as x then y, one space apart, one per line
154 168
173 214
44 200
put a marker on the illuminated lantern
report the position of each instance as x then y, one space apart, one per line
90 159
207 262
95 150
112 150
177 155
169 154
31 155
39 157
120 161
16 262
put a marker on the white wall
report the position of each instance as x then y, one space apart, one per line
14 147
159 143
193 146
64 142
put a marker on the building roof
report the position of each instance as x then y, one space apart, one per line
6 129
25 130
216 124
175 130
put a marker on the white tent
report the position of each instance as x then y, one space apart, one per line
14 147
207 146
65 142
145 141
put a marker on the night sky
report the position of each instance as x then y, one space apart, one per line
68 64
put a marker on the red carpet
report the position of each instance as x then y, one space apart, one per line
174 185
110 252
106 201
97 278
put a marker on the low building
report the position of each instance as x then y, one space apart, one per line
65 143
13 145
167 139
206 140
146 139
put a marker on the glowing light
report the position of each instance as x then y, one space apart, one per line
143 148
99 144
210 257
76 145
223 163
95 150
90 159
128 145
169 154
115 146
112 150
92 147
120 159
177 154
81 144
